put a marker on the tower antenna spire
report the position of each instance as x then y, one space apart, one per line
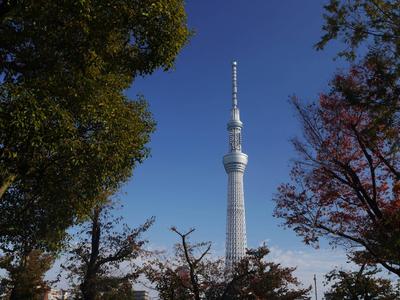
234 83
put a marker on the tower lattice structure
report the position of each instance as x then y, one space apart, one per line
235 163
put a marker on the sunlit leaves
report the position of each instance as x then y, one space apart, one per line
67 130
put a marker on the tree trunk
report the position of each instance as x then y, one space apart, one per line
88 286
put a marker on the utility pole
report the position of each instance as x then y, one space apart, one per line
315 287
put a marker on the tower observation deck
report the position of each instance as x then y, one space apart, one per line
235 163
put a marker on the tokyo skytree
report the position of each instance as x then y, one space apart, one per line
235 163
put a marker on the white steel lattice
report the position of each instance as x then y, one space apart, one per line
235 164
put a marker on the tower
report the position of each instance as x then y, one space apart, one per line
235 163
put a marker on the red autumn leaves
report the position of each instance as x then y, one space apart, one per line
345 182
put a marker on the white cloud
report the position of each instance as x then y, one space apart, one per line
309 262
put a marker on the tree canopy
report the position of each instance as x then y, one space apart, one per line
51 45
372 24
370 33
67 131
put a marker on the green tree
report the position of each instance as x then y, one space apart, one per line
364 284
374 24
67 131
78 167
52 45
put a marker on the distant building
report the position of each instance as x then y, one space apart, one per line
141 295
53 294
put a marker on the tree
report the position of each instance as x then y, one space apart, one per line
345 183
196 276
70 40
190 275
25 275
373 26
119 290
69 173
371 23
255 278
67 132
101 249
77 57
362 284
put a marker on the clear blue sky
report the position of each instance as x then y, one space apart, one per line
184 183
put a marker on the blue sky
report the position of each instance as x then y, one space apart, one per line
184 183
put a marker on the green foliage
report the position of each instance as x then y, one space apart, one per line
375 23
63 163
56 43
67 131
364 284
